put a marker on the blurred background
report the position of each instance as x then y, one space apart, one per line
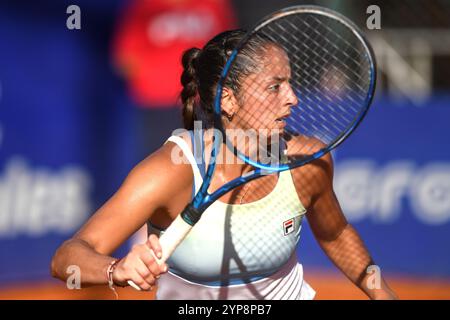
83 101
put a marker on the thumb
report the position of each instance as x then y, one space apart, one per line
154 245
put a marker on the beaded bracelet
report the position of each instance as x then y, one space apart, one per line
109 275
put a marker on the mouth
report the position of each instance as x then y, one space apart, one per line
282 119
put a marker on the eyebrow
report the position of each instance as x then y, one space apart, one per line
277 78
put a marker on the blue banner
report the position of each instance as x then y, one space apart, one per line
66 135
392 178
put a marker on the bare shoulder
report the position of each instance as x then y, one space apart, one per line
168 162
303 145
152 186
316 175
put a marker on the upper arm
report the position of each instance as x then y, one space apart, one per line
325 216
314 185
150 186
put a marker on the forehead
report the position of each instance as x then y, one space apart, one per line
272 65
274 54
275 62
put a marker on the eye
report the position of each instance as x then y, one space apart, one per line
274 87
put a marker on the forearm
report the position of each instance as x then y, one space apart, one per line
351 256
91 264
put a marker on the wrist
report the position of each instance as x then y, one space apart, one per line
383 294
110 275
118 280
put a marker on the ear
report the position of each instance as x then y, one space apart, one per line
229 103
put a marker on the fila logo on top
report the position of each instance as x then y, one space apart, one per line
288 226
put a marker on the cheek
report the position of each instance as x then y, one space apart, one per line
260 111
259 102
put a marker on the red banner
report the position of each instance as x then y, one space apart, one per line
151 37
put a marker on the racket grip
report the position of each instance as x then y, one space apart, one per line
169 241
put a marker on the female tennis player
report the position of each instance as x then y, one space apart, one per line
244 246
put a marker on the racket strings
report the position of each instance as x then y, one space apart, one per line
332 37
330 76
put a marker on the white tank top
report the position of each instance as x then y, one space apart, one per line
245 251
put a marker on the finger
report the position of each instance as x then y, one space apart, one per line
164 267
153 243
139 281
145 273
149 260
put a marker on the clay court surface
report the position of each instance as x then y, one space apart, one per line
334 287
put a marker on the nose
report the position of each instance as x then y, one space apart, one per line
291 97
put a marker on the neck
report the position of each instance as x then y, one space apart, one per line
228 165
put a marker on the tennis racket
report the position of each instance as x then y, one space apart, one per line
312 83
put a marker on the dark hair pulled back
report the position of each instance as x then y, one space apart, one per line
202 70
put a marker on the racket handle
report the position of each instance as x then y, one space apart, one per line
169 241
